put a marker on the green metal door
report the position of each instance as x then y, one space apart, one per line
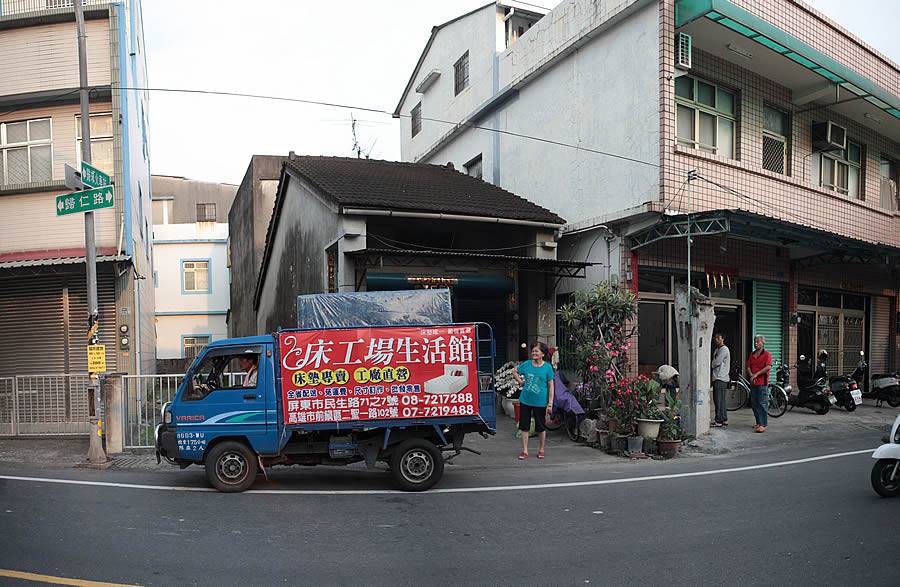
768 316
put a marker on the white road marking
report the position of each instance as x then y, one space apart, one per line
483 489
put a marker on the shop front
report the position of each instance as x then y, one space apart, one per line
514 294
803 291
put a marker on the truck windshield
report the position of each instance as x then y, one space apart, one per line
221 371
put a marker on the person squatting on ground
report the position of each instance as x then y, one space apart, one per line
759 363
536 399
721 365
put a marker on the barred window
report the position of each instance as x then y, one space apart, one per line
461 73
416 117
206 212
775 139
192 345
26 151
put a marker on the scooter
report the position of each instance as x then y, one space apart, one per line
885 387
886 471
846 391
812 386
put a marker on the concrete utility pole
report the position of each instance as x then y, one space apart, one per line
95 455
694 320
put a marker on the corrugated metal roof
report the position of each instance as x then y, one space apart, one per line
59 261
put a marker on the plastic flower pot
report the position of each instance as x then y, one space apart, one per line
648 428
635 444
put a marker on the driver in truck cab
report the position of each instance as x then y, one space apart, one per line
248 363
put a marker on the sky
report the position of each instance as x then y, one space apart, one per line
356 52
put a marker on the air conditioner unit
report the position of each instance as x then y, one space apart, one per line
828 136
683 45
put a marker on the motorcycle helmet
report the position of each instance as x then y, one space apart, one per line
823 355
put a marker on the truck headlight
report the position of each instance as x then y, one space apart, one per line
166 414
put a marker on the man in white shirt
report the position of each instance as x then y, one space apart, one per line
721 376
248 364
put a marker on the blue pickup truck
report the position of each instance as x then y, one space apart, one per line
402 395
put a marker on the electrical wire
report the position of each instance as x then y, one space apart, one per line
388 113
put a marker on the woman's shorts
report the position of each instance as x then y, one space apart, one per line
525 414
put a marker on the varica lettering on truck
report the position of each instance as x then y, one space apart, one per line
401 395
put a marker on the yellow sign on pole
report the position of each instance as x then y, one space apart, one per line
96 358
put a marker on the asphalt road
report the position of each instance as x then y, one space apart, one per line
815 522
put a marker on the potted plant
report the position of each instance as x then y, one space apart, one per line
624 410
507 388
649 418
670 431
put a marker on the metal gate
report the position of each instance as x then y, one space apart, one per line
144 396
37 405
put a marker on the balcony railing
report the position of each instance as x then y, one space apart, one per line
36 7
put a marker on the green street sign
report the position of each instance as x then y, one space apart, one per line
93 177
85 201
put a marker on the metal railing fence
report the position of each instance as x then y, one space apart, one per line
44 404
19 7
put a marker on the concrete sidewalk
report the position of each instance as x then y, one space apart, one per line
798 426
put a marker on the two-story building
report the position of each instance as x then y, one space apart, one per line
190 267
43 307
762 128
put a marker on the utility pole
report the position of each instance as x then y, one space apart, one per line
96 455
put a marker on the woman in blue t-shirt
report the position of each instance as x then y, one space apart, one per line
536 399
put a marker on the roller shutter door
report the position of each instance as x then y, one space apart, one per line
768 317
32 329
880 335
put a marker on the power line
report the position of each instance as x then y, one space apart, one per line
388 113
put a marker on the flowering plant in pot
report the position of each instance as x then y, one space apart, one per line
594 327
670 432
624 407
649 417
507 387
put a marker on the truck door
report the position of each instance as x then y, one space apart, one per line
227 392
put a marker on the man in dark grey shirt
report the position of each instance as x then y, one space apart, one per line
721 367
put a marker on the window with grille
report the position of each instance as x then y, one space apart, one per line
192 345
775 139
102 156
705 116
841 170
26 151
888 176
461 73
416 118
195 276
206 212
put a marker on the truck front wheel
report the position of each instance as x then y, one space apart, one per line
416 464
231 467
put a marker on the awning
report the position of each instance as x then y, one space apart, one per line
406 257
813 246
813 77
59 261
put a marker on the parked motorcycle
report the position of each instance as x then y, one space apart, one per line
885 387
812 386
846 391
886 471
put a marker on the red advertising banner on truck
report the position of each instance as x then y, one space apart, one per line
388 373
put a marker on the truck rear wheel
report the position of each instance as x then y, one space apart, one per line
231 467
416 464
